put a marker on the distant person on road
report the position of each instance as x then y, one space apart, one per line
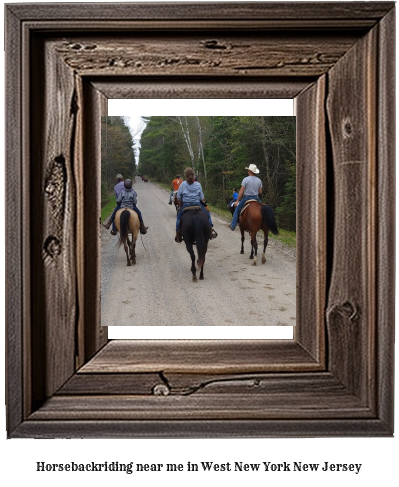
190 194
175 187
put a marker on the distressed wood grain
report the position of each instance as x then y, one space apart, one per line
311 219
177 87
351 108
385 245
335 377
200 356
362 13
17 248
53 208
240 55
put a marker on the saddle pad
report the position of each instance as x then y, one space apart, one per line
191 208
246 205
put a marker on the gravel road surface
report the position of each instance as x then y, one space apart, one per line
159 291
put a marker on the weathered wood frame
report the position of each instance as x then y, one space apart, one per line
336 377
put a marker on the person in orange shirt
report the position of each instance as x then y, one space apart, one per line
175 186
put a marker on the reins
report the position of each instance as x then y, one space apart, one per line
142 241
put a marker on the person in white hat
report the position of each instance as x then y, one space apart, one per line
251 188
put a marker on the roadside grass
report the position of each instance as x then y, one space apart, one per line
108 208
286 237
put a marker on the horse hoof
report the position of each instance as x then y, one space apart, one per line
129 264
194 278
241 252
254 262
133 262
263 261
201 278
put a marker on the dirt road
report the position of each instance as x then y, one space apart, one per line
158 290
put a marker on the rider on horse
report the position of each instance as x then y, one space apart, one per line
128 199
251 188
190 194
175 186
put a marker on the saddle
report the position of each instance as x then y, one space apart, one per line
188 208
246 206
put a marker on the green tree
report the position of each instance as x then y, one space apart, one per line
117 152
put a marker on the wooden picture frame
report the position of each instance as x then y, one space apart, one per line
335 378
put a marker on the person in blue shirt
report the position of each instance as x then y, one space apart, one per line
251 188
232 200
190 194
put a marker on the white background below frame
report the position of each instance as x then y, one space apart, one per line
201 107
201 332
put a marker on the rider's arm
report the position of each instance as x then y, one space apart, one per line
240 195
260 190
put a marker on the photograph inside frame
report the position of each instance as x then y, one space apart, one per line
198 218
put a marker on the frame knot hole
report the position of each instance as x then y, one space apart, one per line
348 310
347 128
161 390
213 44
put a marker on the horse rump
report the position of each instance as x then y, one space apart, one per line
202 235
195 229
268 218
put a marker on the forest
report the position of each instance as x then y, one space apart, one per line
117 153
217 148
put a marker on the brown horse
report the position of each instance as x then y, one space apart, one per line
127 222
257 216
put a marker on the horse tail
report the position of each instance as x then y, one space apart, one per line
124 227
268 218
199 239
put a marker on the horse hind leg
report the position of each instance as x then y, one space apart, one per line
254 248
132 257
127 253
190 250
133 252
265 240
242 240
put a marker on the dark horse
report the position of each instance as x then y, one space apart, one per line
195 229
257 216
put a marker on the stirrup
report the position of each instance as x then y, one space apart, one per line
213 235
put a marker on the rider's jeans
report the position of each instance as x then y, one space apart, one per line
240 205
185 205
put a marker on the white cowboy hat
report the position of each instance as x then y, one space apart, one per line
253 169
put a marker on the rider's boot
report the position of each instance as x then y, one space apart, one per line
213 234
113 232
178 237
143 228
107 224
